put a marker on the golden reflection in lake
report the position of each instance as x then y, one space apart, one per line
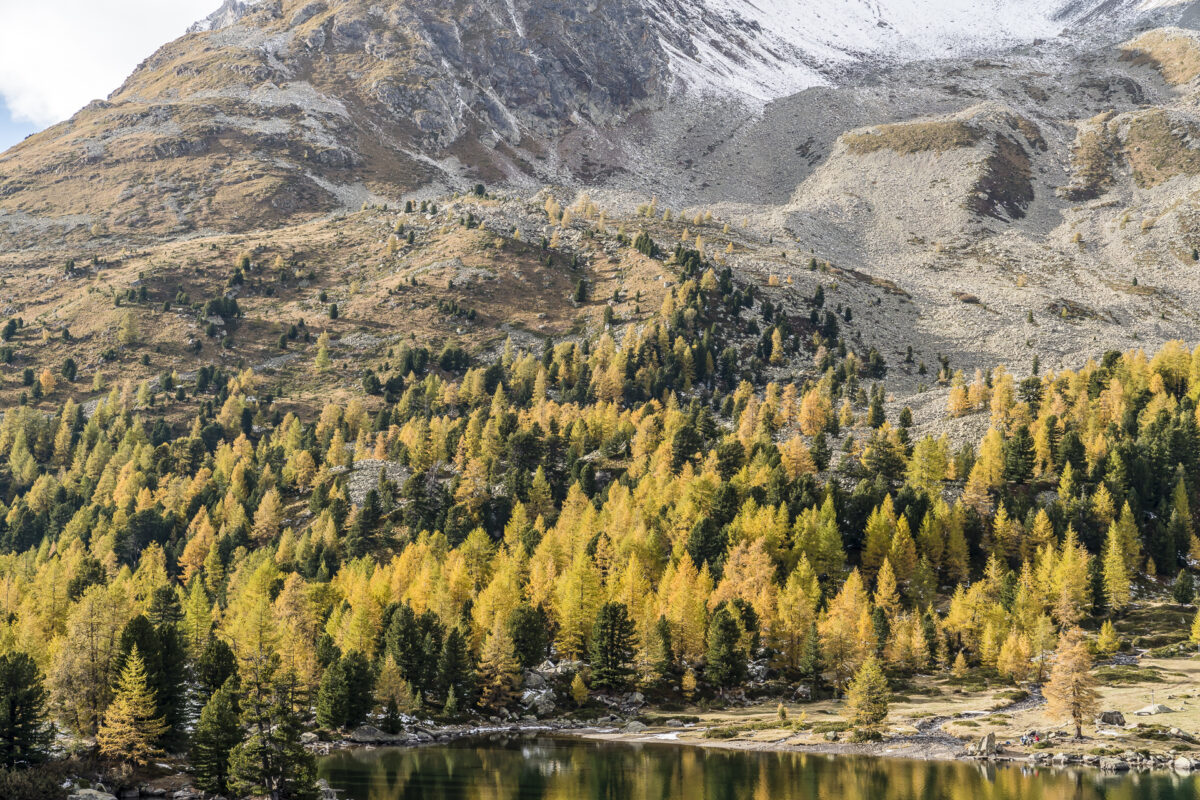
569 769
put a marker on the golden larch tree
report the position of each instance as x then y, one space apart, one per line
1071 691
131 728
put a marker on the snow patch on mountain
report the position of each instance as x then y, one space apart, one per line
765 49
229 13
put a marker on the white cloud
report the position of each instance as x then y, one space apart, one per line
58 55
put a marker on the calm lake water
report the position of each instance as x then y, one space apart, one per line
568 769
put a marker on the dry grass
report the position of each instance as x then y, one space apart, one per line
1174 686
1172 682
1175 53
1092 160
1157 148
504 281
907 138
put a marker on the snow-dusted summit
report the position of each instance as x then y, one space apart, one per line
271 110
764 49
770 48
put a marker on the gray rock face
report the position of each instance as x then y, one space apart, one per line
90 794
228 14
1111 718
540 701
1182 735
367 734
986 746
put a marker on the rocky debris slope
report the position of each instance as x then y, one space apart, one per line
272 110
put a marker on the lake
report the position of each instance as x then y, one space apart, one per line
555 768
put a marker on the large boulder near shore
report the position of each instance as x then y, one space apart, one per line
1110 764
1176 733
1111 718
90 794
986 746
540 701
368 734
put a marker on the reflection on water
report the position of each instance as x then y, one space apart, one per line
567 769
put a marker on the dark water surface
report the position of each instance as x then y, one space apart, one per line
545 768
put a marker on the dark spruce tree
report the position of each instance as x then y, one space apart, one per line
333 696
455 671
165 615
1018 456
216 665
360 688
809 663
530 629
218 731
24 732
661 651
725 665
416 643
327 651
271 760
612 648
706 544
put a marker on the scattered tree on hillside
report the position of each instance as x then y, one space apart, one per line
1071 691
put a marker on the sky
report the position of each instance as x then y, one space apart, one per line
56 56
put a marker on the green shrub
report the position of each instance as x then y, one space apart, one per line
725 732
42 783
1126 674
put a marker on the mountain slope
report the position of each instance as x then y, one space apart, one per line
272 111
975 196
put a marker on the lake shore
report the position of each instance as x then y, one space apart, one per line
931 748
934 746
935 718
1061 753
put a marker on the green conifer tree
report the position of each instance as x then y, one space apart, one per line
270 759
612 648
725 666
217 733
24 732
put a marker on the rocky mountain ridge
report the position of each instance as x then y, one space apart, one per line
1047 171
271 109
